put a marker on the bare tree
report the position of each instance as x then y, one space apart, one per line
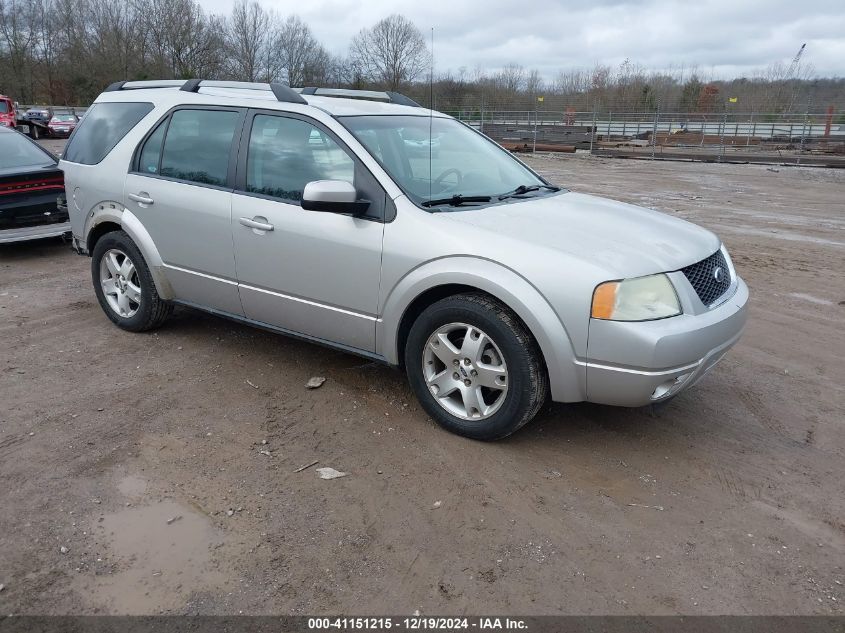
534 84
297 49
392 52
116 32
67 51
246 36
571 82
195 43
322 68
18 39
511 78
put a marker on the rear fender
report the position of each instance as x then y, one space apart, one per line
116 213
132 225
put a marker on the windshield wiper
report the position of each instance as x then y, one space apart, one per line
523 189
455 201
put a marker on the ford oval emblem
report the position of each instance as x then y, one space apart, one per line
718 273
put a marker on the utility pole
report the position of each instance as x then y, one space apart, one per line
654 130
536 102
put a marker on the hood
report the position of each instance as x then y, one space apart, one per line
627 240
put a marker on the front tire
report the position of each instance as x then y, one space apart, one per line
474 367
124 286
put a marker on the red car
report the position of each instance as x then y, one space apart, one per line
62 124
7 112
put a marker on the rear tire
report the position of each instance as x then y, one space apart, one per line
474 367
124 286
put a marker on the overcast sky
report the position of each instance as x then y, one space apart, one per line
723 38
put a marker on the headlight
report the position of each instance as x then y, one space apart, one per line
640 299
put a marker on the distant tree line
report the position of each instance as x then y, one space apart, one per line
631 88
64 52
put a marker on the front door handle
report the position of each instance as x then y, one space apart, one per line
256 224
141 198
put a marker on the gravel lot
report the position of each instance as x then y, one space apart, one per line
156 473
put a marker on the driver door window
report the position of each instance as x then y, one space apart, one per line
286 154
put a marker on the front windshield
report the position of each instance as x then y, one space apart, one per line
463 162
4 107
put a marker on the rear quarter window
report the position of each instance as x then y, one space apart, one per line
103 126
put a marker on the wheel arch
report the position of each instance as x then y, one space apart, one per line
109 218
97 231
420 303
441 278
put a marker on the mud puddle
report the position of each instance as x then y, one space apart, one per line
160 554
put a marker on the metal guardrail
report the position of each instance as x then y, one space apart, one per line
58 109
800 139
809 138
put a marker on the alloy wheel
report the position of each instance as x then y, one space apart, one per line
120 283
465 371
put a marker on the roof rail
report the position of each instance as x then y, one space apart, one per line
141 85
371 95
282 93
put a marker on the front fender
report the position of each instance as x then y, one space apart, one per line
566 378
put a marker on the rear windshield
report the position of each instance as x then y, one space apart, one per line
17 151
64 117
4 107
103 126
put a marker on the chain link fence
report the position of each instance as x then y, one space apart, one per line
809 138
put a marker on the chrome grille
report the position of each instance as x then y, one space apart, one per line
710 277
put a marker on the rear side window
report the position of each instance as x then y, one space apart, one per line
103 126
150 158
196 148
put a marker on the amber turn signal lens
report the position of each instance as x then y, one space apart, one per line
604 300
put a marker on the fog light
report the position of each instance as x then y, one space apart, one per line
671 386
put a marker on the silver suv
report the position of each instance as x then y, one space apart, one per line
365 222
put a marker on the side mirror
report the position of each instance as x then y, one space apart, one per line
333 196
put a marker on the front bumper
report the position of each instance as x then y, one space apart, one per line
637 363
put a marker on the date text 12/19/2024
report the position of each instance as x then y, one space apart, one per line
416 623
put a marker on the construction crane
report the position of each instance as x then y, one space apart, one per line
795 61
793 87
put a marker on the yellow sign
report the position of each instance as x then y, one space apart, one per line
540 98
732 99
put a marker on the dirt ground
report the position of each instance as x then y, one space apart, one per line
156 473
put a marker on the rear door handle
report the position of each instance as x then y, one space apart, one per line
139 198
255 224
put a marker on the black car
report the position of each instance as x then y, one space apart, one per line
31 186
